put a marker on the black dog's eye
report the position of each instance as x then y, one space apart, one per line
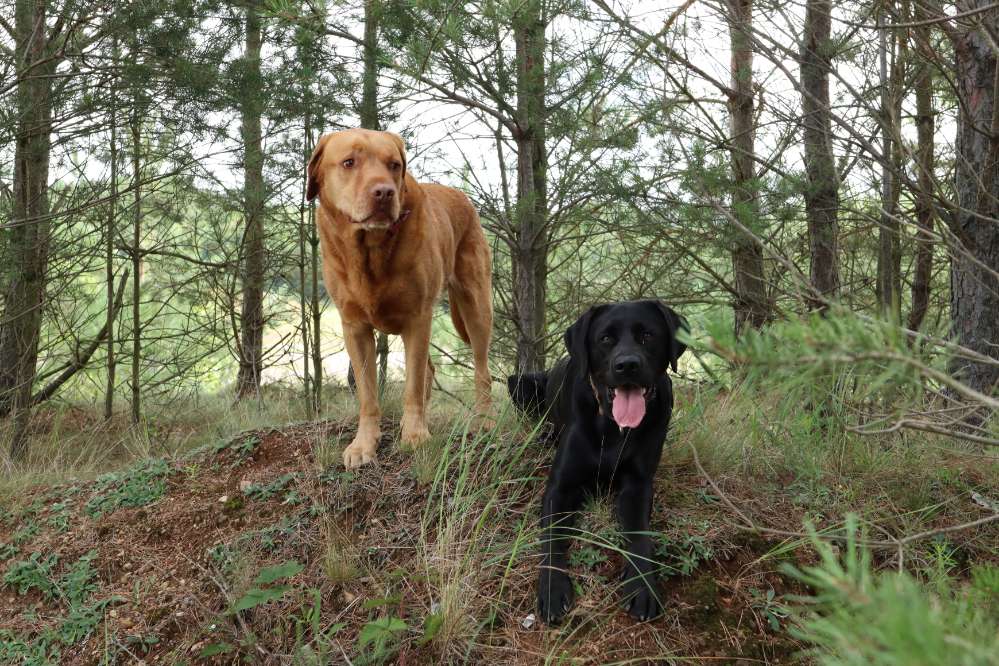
645 337
347 163
606 340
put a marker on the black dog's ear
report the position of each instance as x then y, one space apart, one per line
675 323
575 340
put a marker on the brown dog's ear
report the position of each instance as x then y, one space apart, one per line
675 323
575 340
401 145
312 182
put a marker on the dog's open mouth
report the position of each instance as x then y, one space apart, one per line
628 404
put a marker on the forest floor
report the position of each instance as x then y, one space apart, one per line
260 548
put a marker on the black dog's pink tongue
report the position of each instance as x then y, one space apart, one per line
628 407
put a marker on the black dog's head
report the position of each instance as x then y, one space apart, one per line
622 349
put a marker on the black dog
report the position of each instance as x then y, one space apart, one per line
610 401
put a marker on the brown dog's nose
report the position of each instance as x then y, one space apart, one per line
383 193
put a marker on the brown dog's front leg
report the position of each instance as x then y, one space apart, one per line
360 342
416 339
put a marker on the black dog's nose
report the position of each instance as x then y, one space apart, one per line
627 365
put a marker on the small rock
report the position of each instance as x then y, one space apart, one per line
113 613
528 621
223 499
244 485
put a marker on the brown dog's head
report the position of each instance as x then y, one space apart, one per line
360 174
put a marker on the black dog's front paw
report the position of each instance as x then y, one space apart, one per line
555 595
642 599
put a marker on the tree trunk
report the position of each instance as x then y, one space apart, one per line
752 306
316 309
822 189
109 250
251 318
369 120
924 167
29 234
530 260
889 278
302 258
974 266
136 263
368 110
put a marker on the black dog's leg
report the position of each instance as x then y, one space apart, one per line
641 593
558 516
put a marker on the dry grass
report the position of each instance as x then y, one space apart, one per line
444 540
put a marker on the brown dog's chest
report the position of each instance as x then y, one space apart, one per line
370 284
382 311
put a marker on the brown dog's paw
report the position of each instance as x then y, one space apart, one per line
414 433
484 421
360 452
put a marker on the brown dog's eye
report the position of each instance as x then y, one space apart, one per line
394 166
348 163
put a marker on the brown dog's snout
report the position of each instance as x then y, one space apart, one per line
383 194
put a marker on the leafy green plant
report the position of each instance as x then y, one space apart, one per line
34 573
141 485
683 556
74 589
59 518
142 643
857 616
431 627
16 650
78 583
310 622
380 635
269 490
264 590
767 605
587 557
216 649
81 620
242 447
26 533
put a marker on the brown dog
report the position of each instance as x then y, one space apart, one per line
390 246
